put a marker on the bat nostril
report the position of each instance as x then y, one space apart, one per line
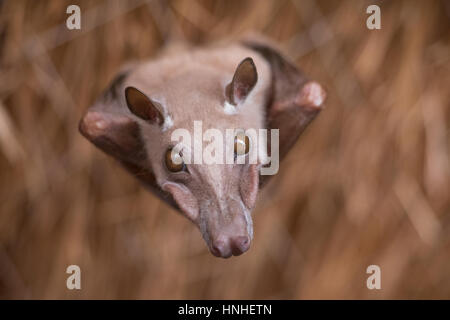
240 244
219 249
230 246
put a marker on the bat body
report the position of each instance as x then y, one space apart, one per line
236 86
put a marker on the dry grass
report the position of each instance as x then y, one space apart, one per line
368 183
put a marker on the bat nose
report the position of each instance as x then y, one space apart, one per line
231 246
221 249
240 244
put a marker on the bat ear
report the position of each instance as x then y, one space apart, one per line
295 101
142 106
244 79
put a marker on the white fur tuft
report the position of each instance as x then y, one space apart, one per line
168 123
228 108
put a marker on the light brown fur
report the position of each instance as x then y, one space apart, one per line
194 85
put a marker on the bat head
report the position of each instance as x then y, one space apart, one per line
190 118
189 128
190 123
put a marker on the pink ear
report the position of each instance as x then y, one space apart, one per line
249 185
142 106
184 199
244 79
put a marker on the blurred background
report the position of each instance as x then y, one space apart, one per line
367 183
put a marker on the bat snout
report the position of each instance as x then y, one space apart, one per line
225 222
225 247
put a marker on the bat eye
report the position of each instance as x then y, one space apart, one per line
174 162
241 144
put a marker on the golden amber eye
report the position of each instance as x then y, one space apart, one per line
241 144
174 162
